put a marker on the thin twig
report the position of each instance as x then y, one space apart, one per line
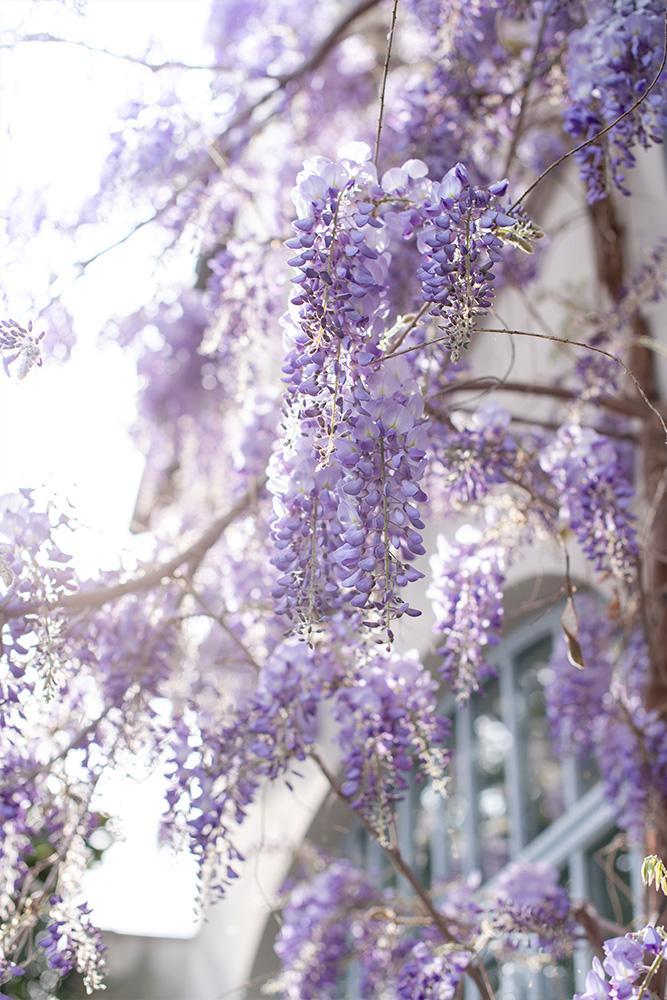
400 337
525 90
383 87
603 131
124 56
596 350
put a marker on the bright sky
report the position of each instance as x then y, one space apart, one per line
66 426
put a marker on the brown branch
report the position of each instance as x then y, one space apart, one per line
598 135
549 425
556 340
625 406
589 347
610 256
596 928
95 597
402 334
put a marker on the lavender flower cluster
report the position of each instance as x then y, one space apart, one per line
19 344
530 907
464 245
389 722
466 592
317 931
628 969
594 496
335 918
610 62
600 711
468 460
70 942
36 572
346 475
215 772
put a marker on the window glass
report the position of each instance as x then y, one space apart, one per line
609 865
542 780
492 741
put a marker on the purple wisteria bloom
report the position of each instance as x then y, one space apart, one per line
460 252
594 495
390 725
611 60
625 972
467 596
19 345
529 906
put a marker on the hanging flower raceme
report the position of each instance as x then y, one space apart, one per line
432 970
600 711
20 345
45 835
36 573
460 252
241 303
341 276
390 726
467 596
216 771
594 496
70 942
315 935
346 473
305 529
528 906
469 457
610 62
631 745
383 459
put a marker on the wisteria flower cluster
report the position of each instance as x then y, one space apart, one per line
36 572
329 193
611 60
19 344
336 920
71 942
215 773
457 271
600 711
628 968
529 906
467 596
594 496
390 725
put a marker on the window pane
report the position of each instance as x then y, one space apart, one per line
609 866
542 783
492 743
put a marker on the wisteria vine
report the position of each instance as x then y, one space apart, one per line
339 517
